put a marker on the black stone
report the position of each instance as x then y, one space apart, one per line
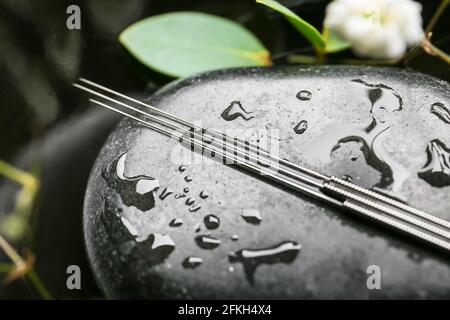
348 106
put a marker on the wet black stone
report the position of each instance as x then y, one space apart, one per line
337 248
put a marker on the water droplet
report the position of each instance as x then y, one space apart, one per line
230 269
211 221
234 111
252 216
207 242
165 193
192 262
384 100
182 168
195 208
135 191
131 229
186 190
197 228
179 195
176 222
368 138
285 252
204 195
441 111
304 95
353 158
188 178
235 237
162 240
190 201
156 249
113 224
144 186
437 169
301 127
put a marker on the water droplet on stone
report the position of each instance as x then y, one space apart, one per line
165 193
369 139
186 190
190 201
354 158
188 178
234 111
182 168
204 195
144 186
197 227
207 241
195 208
176 222
131 229
301 127
437 169
230 269
179 195
162 240
192 262
235 237
251 216
441 111
211 221
156 249
304 95
135 191
285 252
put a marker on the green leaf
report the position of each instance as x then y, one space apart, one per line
334 42
307 30
184 43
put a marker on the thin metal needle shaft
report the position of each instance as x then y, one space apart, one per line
261 171
364 201
292 174
354 206
286 163
215 132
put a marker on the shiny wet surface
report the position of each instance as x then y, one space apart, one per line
259 218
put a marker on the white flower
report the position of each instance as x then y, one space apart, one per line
381 29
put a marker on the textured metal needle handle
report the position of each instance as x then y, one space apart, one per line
392 202
358 208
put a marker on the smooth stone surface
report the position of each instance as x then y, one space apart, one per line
136 253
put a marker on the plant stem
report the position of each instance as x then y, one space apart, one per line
414 52
305 59
19 263
431 49
10 252
300 58
439 11
17 175
410 55
38 284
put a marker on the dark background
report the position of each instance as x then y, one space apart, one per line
45 123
